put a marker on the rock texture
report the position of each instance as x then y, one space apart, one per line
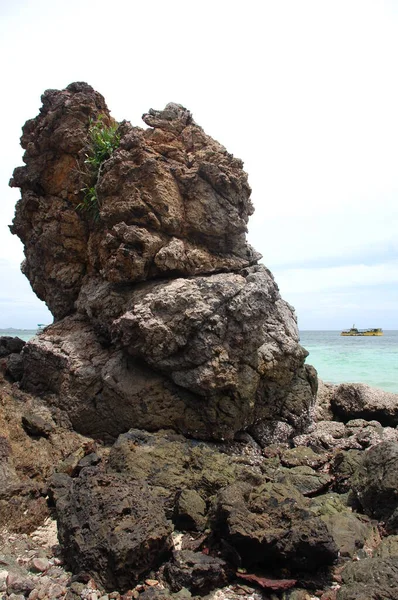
206 469
285 518
375 483
119 529
360 401
163 316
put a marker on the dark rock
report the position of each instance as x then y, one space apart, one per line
199 573
23 507
375 484
272 524
189 511
343 467
302 456
153 593
111 527
15 366
370 579
350 532
36 425
268 433
170 463
10 345
305 479
90 460
322 407
360 401
330 504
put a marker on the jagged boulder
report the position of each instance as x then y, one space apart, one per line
272 524
370 579
10 345
110 526
375 484
360 401
204 344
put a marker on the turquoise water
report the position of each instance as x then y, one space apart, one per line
23 334
371 360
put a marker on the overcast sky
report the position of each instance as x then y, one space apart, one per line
305 92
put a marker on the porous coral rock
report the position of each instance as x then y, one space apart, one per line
209 349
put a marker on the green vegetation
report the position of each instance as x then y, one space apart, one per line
103 141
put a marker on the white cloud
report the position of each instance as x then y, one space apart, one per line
335 278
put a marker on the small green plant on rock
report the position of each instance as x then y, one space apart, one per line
103 141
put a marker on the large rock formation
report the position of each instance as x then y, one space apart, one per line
163 316
171 339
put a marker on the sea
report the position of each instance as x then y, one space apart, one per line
339 359
371 360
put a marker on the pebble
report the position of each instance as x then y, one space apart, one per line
40 565
18 584
3 580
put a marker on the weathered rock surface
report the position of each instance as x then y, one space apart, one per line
172 465
172 200
26 461
119 530
171 339
10 345
360 401
354 435
204 344
370 579
375 484
198 572
272 524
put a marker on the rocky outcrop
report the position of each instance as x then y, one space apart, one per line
33 443
119 528
375 484
206 463
272 524
361 401
171 199
11 362
163 316
370 579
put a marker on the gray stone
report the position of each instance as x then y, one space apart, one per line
111 527
197 572
10 345
370 579
375 484
15 366
34 424
17 583
189 511
358 400
272 524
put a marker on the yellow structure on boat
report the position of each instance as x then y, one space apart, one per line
367 332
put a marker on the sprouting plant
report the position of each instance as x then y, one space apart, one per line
90 201
103 141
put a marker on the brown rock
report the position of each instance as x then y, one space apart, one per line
210 349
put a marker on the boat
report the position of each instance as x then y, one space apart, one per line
40 328
361 332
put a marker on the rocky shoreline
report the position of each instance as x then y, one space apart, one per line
314 517
164 438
